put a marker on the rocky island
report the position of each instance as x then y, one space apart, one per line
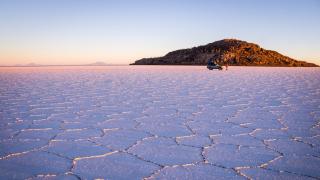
232 51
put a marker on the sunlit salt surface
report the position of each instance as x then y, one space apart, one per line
159 122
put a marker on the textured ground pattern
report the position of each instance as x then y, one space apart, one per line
152 122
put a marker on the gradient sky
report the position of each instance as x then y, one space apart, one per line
121 31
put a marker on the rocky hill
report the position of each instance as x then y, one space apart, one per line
231 51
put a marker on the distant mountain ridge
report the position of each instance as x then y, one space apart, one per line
232 51
98 63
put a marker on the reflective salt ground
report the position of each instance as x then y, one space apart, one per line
159 122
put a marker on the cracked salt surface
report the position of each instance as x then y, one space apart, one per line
159 122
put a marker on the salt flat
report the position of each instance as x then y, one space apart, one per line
159 122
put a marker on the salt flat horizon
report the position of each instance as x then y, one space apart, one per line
159 122
175 65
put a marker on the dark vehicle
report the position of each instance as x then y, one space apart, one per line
212 65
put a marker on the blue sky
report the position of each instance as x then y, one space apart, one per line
121 31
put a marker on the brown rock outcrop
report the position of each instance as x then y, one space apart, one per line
231 51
